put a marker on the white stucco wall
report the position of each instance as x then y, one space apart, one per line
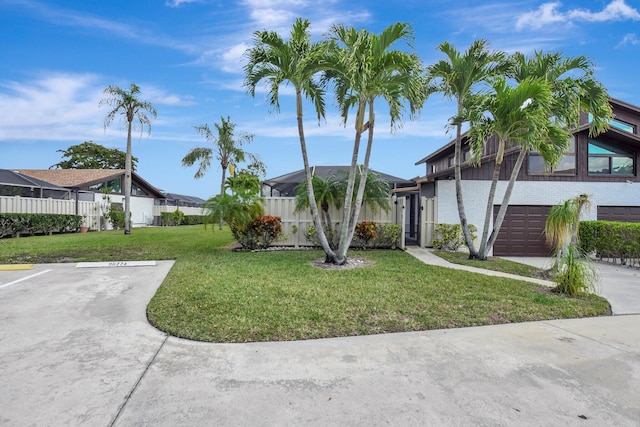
475 195
141 208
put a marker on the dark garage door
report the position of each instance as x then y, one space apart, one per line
522 232
619 213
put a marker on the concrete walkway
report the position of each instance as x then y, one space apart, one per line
75 349
620 285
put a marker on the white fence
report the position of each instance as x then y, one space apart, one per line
89 210
157 210
295 224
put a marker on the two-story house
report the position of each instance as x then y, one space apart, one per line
604 167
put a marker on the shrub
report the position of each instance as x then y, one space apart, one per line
573 273
332 236
14 224
611 239
388 236
260 233
449 237
365 231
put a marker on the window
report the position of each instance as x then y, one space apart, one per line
566 166
137 191
114 186
605 159
450 161
618 124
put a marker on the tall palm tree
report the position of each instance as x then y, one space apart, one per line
227 149
519 116
364 68
573 90
297 61
128 104
460 76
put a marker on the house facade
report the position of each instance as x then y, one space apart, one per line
604 167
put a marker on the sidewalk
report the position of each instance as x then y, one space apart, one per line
428 257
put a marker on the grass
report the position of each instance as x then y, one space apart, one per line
214 294
493 263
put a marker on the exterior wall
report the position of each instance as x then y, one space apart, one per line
475 194
141 208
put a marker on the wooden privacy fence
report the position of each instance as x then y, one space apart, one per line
89 210
295 224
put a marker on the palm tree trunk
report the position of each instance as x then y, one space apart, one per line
224 177
458 176
127 182
505 199
482 252
343 244
363 176
330 256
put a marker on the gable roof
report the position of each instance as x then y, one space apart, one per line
15 178
286 184
84 177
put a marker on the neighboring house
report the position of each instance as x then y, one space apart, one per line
604 167
13 183
285 185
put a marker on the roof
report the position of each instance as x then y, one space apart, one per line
80 177
72 177
15 178
184 198
287 183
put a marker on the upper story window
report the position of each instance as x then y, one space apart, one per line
137 191
450 161
605 159
619 124
113 186
566 166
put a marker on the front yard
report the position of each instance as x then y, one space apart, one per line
215 294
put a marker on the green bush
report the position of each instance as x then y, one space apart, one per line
611 239
260 233
14 224
332 236
574 273
388 236
449 237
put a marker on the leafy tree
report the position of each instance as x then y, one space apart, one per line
90 155
364 68
128 104
461 77
297 61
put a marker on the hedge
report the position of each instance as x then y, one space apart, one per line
15 224
611 239
171 219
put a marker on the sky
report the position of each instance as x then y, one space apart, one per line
187 57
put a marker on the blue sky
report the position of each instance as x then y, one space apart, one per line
56 57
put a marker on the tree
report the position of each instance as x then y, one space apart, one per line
297 61
89 155
514 116
363 69
461 77
128 104
571 89
227 149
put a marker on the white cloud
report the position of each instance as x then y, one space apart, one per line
177 3
629 38
550 14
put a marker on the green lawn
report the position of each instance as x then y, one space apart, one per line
215 294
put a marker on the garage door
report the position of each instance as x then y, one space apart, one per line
619 213
522 232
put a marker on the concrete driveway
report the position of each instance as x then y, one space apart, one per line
75 349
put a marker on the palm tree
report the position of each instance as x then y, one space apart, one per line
227 149
573 90
363 69
127 103
297 61
328 192
514 116
460 77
